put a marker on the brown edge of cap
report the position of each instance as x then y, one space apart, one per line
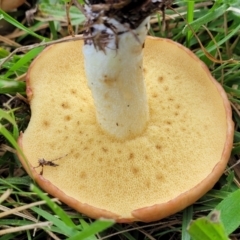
157 211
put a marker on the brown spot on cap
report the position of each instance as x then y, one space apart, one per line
131 156
168 122
165 88
177 106
158 146
135 170
148 184
67 118
65 105
73 91
83 175
104 149
159 176
46 123
183 129
160 79
167 130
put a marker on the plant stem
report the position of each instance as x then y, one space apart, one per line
190 15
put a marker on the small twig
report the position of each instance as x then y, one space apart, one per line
9 41
43 162
5 195
218 51
235 108
107 7
18 33
147 234
161 224
18 209
22 98
5 147
70 29
7 104
233 166
22 215
31 218
27 227
21 77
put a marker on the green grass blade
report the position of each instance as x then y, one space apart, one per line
8 236
3 53
7 116
234 92
236 150
207 228
187 216
230 211
236 136
85 225
18 25
210 16
14 222
24 60
15 131
96 227
53 30
220 42
12 141
59 13
62 227
12 87
190 16
55 208
26 181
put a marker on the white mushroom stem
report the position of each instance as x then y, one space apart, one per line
115 77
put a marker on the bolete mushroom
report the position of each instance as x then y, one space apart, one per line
8 5
129 147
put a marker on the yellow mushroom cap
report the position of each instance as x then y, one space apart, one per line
178 158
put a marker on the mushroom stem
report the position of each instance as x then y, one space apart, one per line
114 71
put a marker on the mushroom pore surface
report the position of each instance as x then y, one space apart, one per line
184 139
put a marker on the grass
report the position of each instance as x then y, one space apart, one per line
28 213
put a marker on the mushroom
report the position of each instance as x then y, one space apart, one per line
8 5
128 147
